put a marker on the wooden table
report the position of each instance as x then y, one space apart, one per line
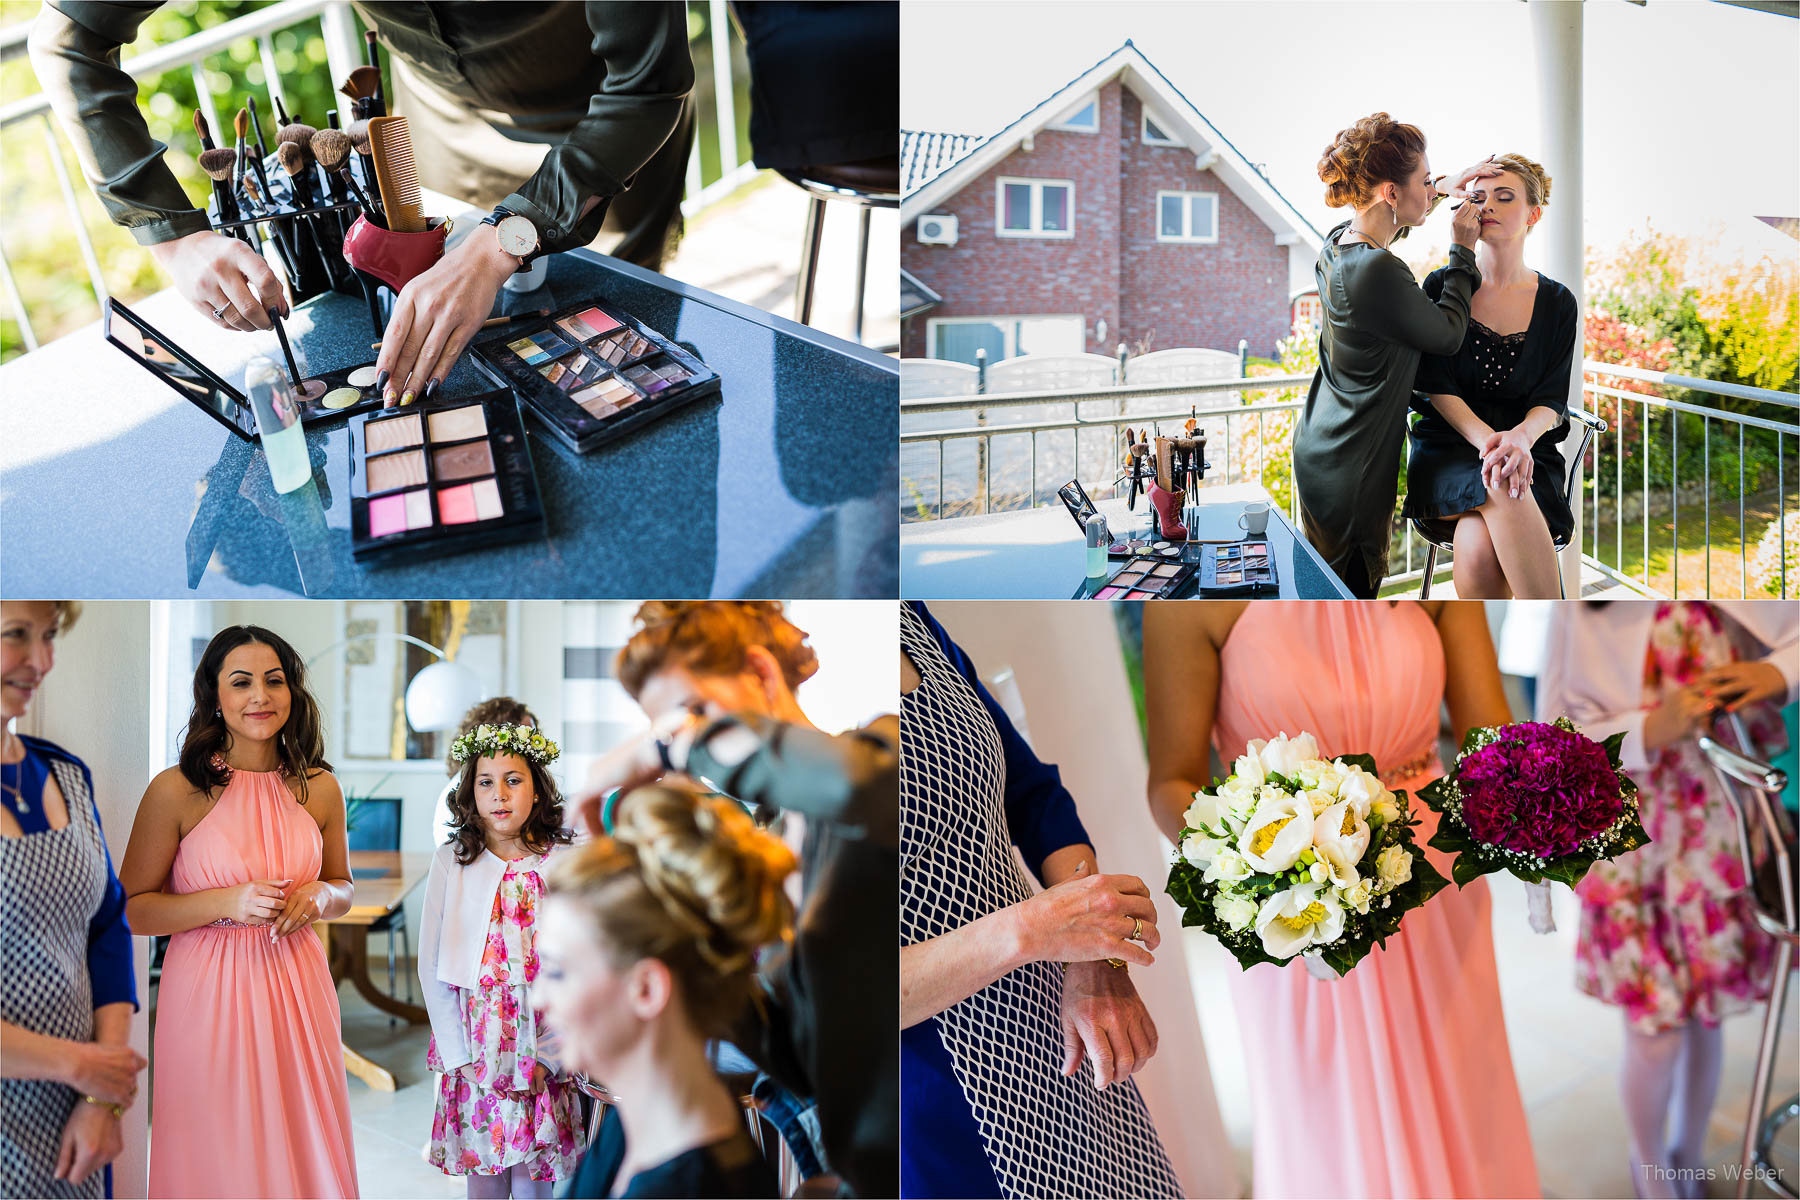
347 940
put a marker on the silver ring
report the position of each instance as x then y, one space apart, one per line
219 313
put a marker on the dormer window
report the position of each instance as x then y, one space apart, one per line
1085 119
1154 135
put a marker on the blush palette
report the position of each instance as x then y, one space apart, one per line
440 477
1147 577
1237 568
593 374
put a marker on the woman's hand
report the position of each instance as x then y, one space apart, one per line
257 902
438 314
632 763
1506 460
1465 226
90 1140
1089 917
1481 170
104 1072
1104 1020
1739 683
305 904
215 272
540 1078
1677 718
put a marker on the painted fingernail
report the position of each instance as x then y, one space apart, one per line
381 379
406 399
389 398
430 388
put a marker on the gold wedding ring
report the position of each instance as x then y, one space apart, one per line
1137 930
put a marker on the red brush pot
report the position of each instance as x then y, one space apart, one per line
393 258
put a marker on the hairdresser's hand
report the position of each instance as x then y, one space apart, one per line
635 762
1739 683
215 272
1681 714
305 904
1104 1021
1465 226
438 314
1089 917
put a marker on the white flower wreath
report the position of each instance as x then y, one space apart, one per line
492 740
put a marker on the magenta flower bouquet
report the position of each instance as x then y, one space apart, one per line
1542 801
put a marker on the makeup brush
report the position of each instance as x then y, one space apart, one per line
493 321
361 85
206 142
241 123
219 162
359 141
293 158
281 116
287 351
331 147
377 98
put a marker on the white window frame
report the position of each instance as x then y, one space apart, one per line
1008 325
1069 125
1187 218
1037 208
1144 132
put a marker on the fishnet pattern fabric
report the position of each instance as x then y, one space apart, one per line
53 882
1046 1135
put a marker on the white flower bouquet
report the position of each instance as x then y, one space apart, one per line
1299 855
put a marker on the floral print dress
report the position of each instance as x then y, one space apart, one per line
1667 931
489 1123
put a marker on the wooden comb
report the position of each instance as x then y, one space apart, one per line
396 175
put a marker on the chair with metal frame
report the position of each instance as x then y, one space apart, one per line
1753 788
1590 425
376 826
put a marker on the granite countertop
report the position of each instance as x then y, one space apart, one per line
784 485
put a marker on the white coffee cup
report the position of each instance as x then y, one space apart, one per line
1254 520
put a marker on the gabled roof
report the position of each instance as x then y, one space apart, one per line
923 155
941 175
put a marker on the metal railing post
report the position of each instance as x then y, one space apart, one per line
26 332
74 206
265 47
724 102
344 48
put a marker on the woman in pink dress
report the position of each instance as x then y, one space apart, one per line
1394 1080
236 851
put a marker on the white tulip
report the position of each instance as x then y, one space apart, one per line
1341 838
1277 835
1306 914
1228 866
1393 867
1237 912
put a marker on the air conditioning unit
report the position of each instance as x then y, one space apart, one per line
937 229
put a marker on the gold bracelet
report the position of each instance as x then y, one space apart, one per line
117 1110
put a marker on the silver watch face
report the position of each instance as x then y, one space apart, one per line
518 236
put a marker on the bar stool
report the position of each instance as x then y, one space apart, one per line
870 184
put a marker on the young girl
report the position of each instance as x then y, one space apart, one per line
507 1117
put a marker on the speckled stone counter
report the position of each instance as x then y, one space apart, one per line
782 486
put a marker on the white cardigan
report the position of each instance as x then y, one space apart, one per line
452 935
1594 663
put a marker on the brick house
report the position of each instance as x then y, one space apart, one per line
1111 212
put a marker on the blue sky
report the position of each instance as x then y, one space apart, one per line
1692 108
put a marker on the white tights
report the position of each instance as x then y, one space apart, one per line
516 1182
1669 1083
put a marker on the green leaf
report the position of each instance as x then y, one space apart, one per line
1365 761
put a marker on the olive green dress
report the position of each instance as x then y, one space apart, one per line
1377 323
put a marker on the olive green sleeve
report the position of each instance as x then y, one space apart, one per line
74 48
648 74
1387 301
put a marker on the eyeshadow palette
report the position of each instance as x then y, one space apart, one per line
593 374
1147 577
1237 568
326 396
442 476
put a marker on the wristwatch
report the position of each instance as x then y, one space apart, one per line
517 235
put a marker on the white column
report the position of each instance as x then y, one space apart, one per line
1556 37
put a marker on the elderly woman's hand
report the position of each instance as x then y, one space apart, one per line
104 1072
1104 1022
90 1140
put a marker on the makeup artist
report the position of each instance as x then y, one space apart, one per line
590 100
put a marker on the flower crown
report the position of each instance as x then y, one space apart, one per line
493 740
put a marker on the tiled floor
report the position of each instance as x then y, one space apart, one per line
1566 1052
392 1127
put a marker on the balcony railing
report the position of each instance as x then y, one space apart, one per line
343 52
936 429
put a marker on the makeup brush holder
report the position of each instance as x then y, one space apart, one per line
394 259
